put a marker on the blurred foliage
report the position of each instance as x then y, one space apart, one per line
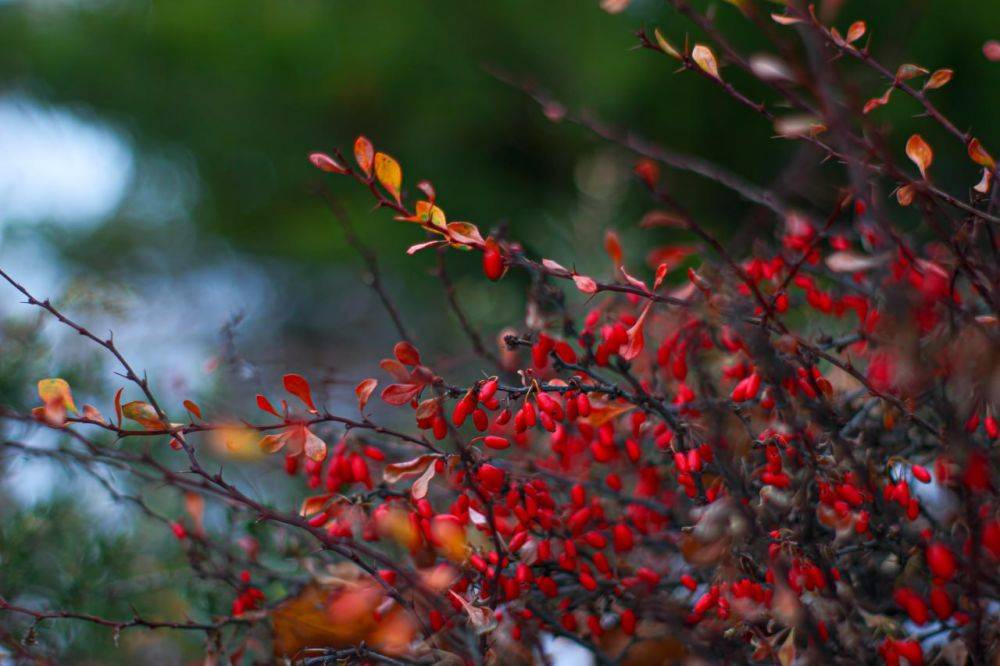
223 100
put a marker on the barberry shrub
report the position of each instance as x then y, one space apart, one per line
782 453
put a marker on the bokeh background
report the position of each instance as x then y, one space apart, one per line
154 181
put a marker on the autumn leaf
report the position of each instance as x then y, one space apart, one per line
265 405
324 162
664 45
939 79
400 394
856 31
705 59
979 155
613 246
905 194
636 340
449 537
585 284
483 620
299 387
364 153
56 390
142 413
389 174
364 391
783 19
852 262
919 153
908 71
406 353
876 102
193 408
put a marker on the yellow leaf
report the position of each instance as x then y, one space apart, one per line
389 174
705 59
919 153
56 390
664 45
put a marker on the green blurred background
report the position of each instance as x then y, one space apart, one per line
153 179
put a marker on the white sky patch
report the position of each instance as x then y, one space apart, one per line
55 165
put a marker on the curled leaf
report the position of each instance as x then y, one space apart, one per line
483 620
665 46
364 391
636 339
704 58
979 155
919 153
876 102
389 174
400 394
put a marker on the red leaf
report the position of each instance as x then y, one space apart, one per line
364 153
400 394
299 387
265 404
406 353
636 340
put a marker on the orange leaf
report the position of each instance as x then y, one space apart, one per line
905 194
856 31
193 408
389 174
613 247
876 102
194 504
979 155
364 392
364 153
299 387
705 59
939 78
919 153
